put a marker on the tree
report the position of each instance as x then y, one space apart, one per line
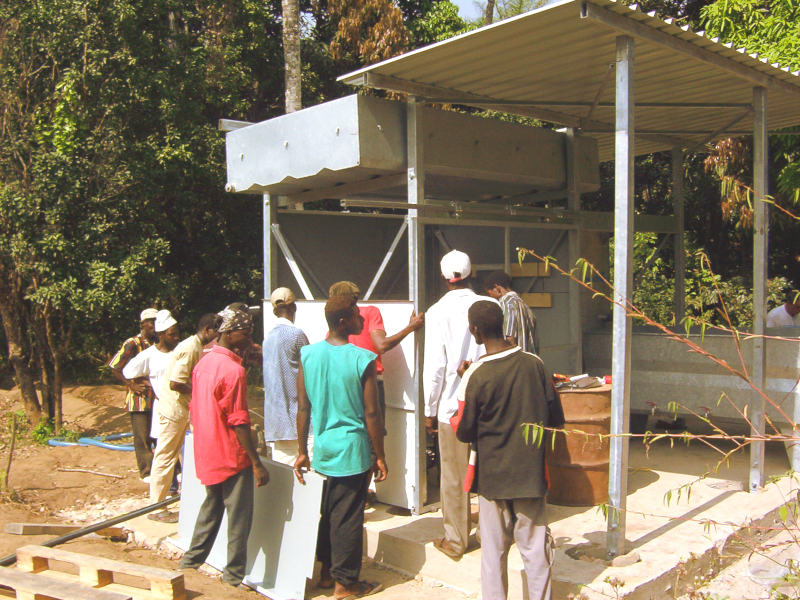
291 52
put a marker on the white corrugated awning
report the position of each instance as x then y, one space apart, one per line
552 62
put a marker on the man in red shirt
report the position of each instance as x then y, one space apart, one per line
225 457
373 336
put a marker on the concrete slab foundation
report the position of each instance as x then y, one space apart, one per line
683 543
684 528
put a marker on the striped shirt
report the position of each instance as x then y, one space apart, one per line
132 347
519 322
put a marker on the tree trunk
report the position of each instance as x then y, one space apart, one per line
488 16
291 54
58 340
45 363
13 315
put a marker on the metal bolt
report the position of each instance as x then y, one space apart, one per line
337 131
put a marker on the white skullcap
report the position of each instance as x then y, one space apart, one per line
164 321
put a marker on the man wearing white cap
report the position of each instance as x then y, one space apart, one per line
152 362
281 353
448 342
172 409
139 397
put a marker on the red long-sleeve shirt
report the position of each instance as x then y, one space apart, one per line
219 403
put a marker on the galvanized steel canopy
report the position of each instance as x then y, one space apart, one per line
554 64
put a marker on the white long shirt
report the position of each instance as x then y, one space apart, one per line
150 363
778 317
447 342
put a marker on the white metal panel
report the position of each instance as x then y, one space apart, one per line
398 378
282 546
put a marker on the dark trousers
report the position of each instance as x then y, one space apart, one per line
142 442
340 542
234 495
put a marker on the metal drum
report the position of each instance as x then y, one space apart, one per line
577 464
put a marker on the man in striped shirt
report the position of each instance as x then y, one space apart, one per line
519 324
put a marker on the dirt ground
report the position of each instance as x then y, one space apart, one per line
43 492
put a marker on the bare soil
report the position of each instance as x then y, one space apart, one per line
40 492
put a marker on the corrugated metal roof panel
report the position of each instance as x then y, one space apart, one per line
557 54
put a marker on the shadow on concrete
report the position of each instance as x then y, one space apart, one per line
405 545
637 479
673 523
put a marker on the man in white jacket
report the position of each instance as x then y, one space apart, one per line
448 342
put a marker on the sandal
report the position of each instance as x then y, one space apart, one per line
443 546
164 517
372 588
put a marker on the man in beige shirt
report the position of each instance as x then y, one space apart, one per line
172 409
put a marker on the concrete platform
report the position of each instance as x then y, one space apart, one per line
678 545
676 540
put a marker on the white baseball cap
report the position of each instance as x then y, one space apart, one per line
164 321
148 313
456 266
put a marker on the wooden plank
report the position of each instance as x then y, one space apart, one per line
536 269
37 587
96 571
57 529
538 300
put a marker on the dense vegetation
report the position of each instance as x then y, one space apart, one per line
112 170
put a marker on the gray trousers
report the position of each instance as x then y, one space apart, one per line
523 520
453 459
234 496
141 421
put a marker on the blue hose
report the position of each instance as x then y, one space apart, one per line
99 444
60 442
118 436
96 442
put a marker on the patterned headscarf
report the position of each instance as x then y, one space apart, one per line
234 320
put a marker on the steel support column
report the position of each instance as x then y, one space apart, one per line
416 284
760 247
574 203
680 250
623 283
270 245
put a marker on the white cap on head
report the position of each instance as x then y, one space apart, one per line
164 321
148 313
456 266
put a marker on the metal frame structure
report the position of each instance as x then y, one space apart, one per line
414 75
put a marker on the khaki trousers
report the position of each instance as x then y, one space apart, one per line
168 451
453 460
523 520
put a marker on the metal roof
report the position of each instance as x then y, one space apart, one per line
554 64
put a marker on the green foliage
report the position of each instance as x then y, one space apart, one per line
706 291
770 29
45 430
440 23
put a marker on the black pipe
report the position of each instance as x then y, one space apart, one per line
12 558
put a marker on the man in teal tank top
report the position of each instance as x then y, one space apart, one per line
338 391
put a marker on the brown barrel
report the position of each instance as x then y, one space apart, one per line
577 465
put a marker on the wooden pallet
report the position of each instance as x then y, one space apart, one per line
161 584
27 586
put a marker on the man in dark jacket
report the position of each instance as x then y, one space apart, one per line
501 391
